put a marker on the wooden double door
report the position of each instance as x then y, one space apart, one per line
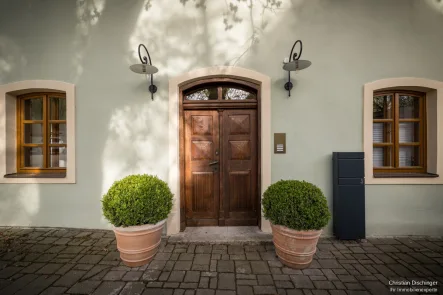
221 176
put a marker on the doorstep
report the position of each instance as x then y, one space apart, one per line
221 235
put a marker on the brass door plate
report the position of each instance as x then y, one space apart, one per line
279 143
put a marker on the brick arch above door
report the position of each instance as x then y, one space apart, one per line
173 223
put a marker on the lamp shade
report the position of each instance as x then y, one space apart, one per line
296 65
143 69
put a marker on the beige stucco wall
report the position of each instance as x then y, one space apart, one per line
119 130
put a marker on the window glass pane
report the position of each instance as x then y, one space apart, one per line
57 108
409 156
33 109
33 157
33 133
409 132
409 106
203 94
382 107
382 132
382 157
57 157
57 133
231 93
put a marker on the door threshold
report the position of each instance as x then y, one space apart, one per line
221 234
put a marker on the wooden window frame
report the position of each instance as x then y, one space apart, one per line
219 83
21 169
395 144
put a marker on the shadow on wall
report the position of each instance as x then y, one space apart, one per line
436 5
12 59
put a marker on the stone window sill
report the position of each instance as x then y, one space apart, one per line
405 175
33 175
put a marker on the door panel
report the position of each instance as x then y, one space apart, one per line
240 198
202 180
221 167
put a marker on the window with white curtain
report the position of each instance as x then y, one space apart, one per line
399 132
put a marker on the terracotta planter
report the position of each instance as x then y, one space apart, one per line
295 248
138 244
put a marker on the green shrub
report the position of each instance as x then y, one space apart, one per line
137 200
298 205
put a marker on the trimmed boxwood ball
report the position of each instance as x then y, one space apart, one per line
298 205
137 200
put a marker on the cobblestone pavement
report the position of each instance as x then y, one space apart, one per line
74 261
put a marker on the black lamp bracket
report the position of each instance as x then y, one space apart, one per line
144 60
294 56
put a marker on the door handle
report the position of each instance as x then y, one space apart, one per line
213 163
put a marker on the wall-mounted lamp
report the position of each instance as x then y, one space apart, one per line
294 65
145 68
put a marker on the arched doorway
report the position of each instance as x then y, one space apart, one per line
219 152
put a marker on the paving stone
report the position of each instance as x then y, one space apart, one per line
302 281
281 277
38 285
202 258
171 285
329 263
32 268
151 275
84 287
253 256
132 276
70 278
182 265
265 280
90 259
133 288
157 264
187 256
176 276
291 271
204 292
204 283
55 249
225 266
245 290
226 281
312 272
114 275
201 267
245 277
49 268
192 277
203 249
284 284
54 291
259 267
224 292
18 284
213 283
109 288
324 285
164 276
162 256
9 272
235 249
81 266
242 266
112 256
96 273
295 292
188 285
247 282
64 269
258 290
354 286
